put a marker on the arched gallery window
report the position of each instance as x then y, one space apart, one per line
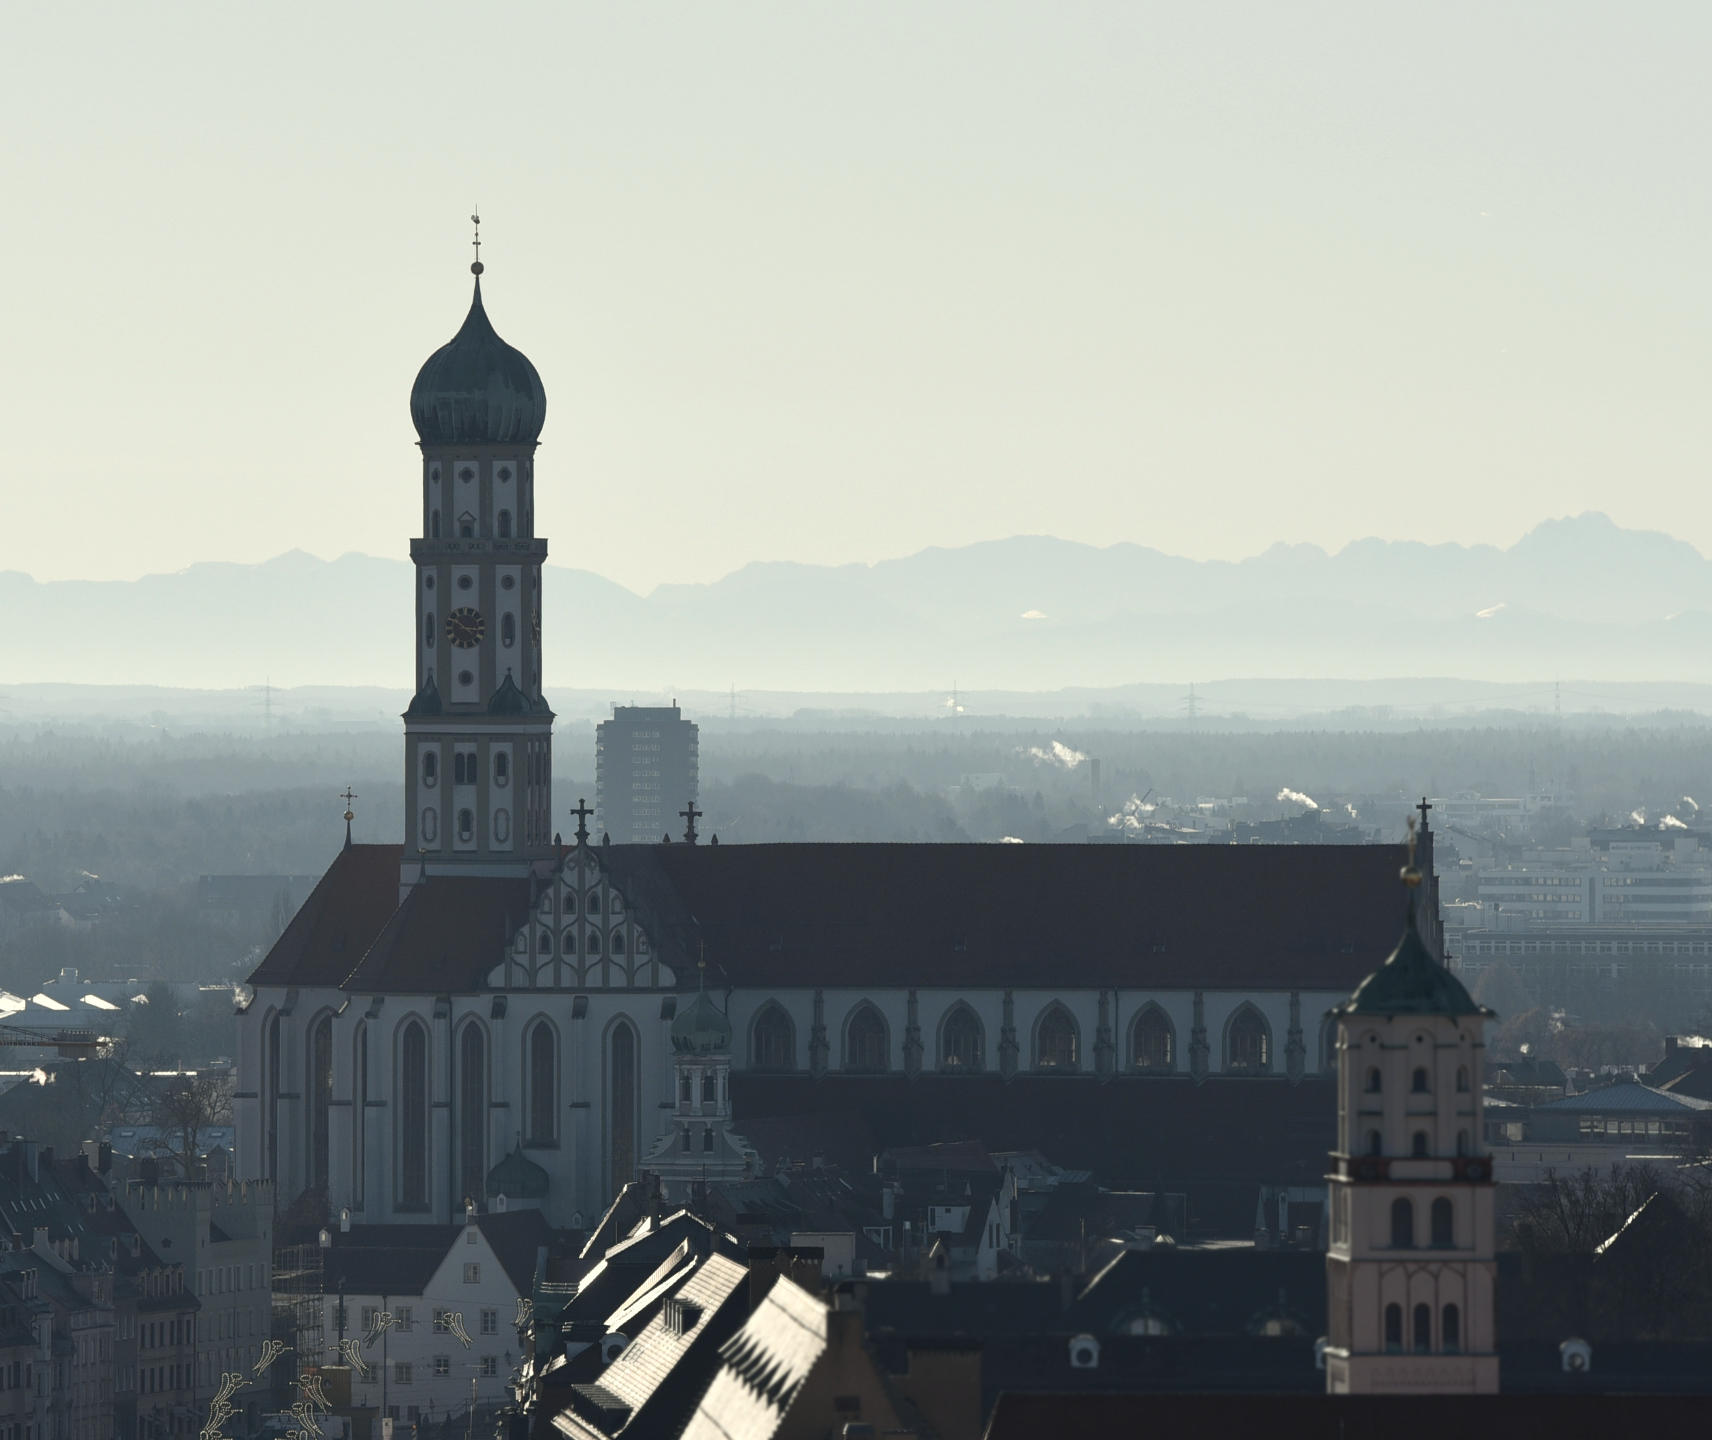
1393 1328
1450 1328
1423 1328
1152 1042
412 1115
1056 1044
773 1041
1248 1043
1420 1084
867 1044
961 1044
541 1057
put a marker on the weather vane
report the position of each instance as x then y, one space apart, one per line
475 219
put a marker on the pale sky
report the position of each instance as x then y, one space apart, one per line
832 282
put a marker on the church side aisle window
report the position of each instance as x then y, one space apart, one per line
1248 1043
960 1042
1056 1043
773 1040
1152 1040
867 1044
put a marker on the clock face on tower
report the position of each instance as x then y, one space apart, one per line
465 627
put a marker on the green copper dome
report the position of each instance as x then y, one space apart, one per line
701 1028
1411 982
477 390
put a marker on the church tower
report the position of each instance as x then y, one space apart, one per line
1411 1269
478 734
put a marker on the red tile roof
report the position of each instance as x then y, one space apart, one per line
339 920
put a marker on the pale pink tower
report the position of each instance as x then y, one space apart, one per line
478 734
1410 1273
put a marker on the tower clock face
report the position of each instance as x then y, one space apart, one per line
465 627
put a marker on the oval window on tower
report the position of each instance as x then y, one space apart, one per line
430 769
501 768
508 629
507 582
502 829
430 825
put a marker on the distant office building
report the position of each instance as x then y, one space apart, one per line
1622 878
646 768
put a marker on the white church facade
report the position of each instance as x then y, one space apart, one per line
482 1005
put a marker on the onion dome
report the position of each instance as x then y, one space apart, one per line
477 390
517 1177
701 1028
1411 981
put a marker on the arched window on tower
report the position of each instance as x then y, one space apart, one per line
466 825
434 525
773 1041
1419 1150
709 1088
707 1139
1375 1081
1248 1043
430 769
1420 1084
867 1044
1152 1044
428 628
1444 1223
961 1045
542 1060
504 524
1375 1143
412 1113
501 768
1462 1079
1393 1328
508 629
1423 1329
1056 1043
1402 1224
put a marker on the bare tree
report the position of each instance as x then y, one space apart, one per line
186 1106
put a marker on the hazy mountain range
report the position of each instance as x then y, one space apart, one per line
1577 597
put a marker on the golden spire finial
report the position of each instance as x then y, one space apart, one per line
1411 876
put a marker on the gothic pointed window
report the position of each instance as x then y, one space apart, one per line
472 1113
359 1115
1152 1041
1056 1043
541 1052
320 1099
867 1043
570 941
594 942
412 1113
1394 1328
617 945
1444 1223
961 1043
1402 1224
1248 1043
1423 1328
773 1041
623 1119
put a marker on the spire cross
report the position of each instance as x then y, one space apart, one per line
1423 807
350 814
582 812
475 220
691 815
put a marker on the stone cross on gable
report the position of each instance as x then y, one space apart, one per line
691 815
582 812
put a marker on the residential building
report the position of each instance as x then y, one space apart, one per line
647 768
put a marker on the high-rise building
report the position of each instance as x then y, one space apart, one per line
646 770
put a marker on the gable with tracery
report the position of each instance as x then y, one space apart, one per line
585 934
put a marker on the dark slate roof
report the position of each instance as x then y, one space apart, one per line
1626 1097
338 922
1208 916
448 934
401 1259
1223 1291
1411 982
476 389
